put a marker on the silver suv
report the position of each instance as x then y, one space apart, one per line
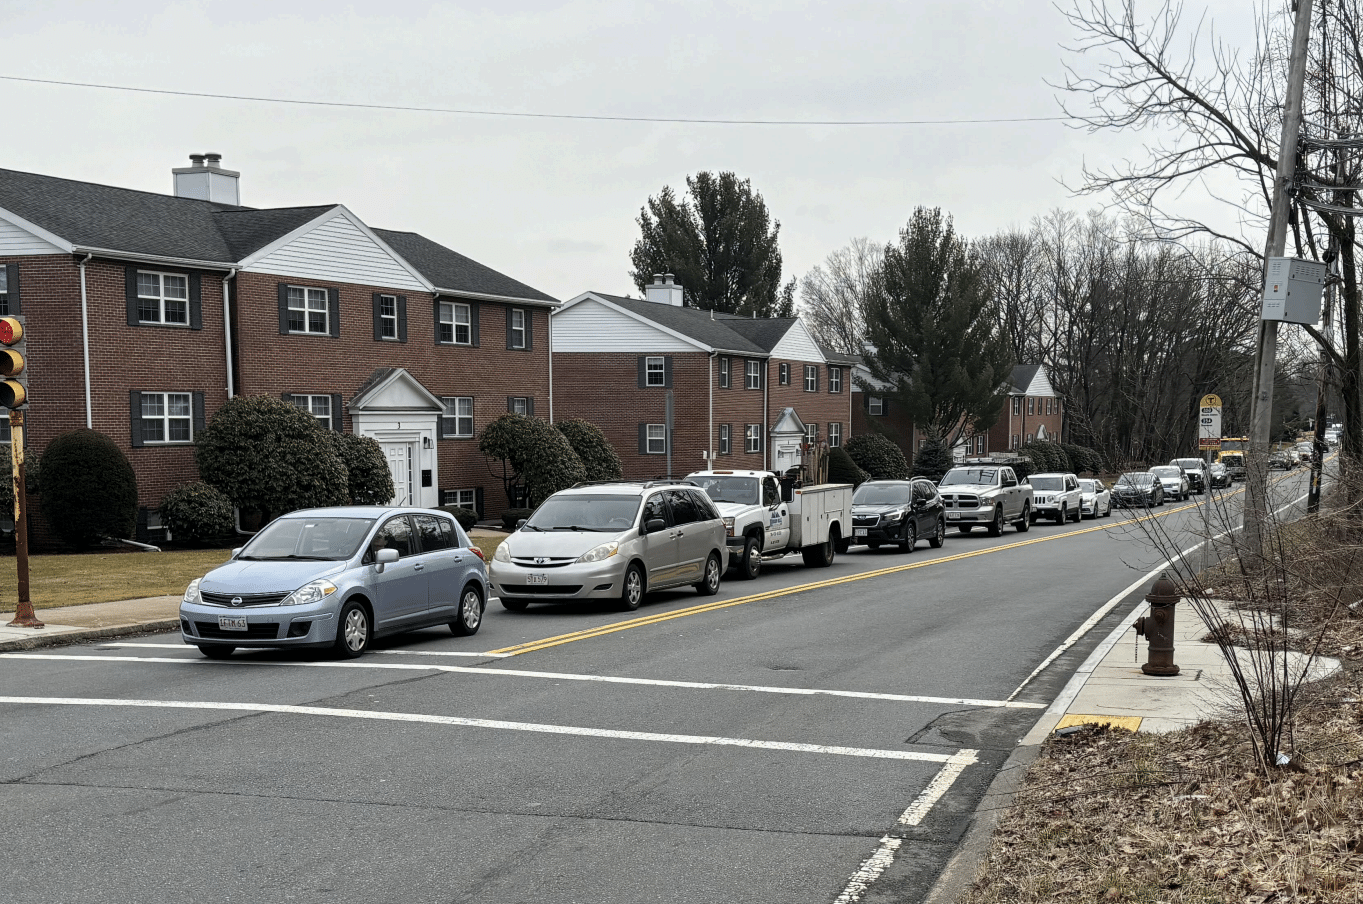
612 540
1056 496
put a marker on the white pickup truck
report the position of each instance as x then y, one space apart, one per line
763 520
987 494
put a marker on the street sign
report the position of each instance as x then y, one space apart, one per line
1209 423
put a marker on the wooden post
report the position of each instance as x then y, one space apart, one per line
24 617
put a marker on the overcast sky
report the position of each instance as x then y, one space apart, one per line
549 202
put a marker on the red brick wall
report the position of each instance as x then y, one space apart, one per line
822 406
1012 425
739 406
895 425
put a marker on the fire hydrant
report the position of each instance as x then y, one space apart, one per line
1158 628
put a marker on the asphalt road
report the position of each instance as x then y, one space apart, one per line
571 754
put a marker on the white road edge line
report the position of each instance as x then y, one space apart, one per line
549 676
185 647
541 728
870 870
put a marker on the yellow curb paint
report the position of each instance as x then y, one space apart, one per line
1130 723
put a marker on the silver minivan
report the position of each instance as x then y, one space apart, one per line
612 540
338 577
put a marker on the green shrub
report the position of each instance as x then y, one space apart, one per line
536 460
32 473
467 518
89 491
368 479
933 460
196 511
878 456
1023 468
589 442
841 468
512 517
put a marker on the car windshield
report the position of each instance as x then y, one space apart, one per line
1189 464
969 476
319 538
1047 483
1136 480
585 512
1166 471
743 490
1231 460
1086 486
881 494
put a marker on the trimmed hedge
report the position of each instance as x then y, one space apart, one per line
89 491
467 518
197 511
878 456
841 468
511 516
538 459
368 479
589 442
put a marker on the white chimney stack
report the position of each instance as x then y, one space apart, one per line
664 290
205 180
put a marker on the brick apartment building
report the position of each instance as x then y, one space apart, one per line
145 312
745 392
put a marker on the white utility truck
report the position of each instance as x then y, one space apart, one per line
765 519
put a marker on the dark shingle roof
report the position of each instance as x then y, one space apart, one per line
764 332
716 332
451 270
246 230
1023 374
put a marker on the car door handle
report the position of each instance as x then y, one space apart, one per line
680 534
418 566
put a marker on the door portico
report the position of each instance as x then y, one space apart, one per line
403 417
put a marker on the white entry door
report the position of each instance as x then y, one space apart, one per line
399 457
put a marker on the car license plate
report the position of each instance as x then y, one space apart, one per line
537 579
230 623
858 531
953 516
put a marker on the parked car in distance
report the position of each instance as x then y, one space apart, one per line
1173 479
612 540
1234 463
1196 469
990 495
1138 488
900 512
1305 451
1095 499
1280 460
1056 496
338 577
1218 475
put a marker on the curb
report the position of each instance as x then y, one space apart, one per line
70 637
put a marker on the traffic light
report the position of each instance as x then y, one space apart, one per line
13 379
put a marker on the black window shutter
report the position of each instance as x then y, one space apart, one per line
529 329
643 439
335 318
283 308
643 372
130 290
200 422
15 303
510 403
378 319
142 532
478 501
402 318
336 414
884 406
196 305
530 405
473 320
667 371
135 410
508 327
436 321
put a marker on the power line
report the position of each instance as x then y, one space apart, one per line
511 114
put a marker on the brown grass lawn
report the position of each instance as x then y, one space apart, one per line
72 580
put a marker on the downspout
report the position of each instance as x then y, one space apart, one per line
550 320
710 440
85 341
227 332
763 437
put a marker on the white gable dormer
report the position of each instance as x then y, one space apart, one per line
18 236
589 323
403 417
337 246
798 345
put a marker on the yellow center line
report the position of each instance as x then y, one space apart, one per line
588 633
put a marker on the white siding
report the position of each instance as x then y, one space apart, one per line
797 345
590 326
14 241
1041 384
338 251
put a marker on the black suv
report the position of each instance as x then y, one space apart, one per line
898 511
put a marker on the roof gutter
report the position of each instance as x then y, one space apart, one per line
504 299
155 258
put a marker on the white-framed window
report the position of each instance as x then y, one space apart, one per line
4 303
752 371
812 434
457 420
456 324
835 379
752 438
162 298
516 331
1031 406
811 378
388 316
723 373
319 406
1013 441
167 417
656 439
309 311
834 435
723 439
655 372
1029 437
783 374
4 423
520 405
979 445
875 406
466 499
1017 406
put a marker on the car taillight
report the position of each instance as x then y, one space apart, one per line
477 552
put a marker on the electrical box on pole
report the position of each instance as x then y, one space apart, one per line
1293 290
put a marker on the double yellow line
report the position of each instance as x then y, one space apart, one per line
588 633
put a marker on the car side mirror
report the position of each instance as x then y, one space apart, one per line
236 552
386 555
521 523
654 525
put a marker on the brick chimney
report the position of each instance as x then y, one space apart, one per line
205 180
664 290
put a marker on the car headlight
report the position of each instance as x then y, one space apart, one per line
604 551
502 554
309 593
192 593
891 517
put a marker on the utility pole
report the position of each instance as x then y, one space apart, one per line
1266 355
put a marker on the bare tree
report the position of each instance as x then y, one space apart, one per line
833 295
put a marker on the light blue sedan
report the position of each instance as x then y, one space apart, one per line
338 577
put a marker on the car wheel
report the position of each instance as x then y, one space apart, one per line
352 631
910 536
514 603
750 564
1078 515
996 526
216 650
709 585
939 536
632 593
1024 524
470 615
1107 512
843 545
820 555
1063 515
